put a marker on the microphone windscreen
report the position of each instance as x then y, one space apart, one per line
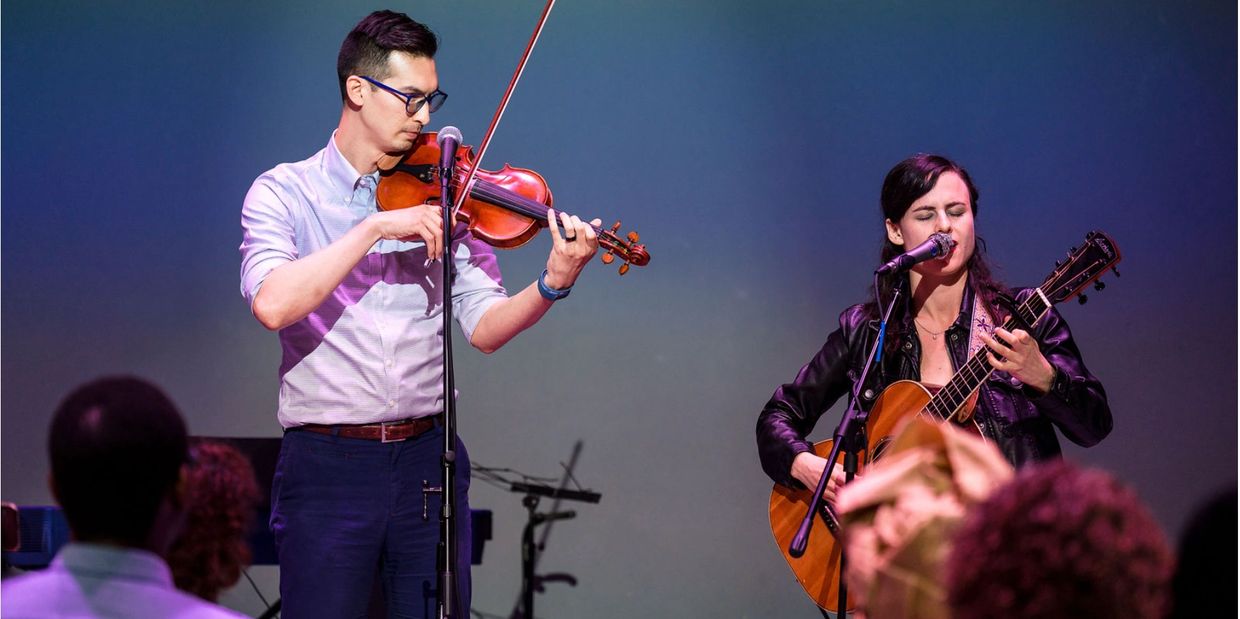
448 132
944 243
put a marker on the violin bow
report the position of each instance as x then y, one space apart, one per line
499 111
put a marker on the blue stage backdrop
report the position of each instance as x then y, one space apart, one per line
745 141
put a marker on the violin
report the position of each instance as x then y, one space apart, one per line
504 209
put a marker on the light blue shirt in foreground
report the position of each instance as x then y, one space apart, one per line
90 580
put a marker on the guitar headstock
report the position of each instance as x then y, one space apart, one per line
1085 265
627 248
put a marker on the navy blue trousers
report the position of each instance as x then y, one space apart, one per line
346 512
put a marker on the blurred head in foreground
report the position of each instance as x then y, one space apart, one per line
1059 541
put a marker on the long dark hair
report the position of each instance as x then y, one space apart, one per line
905 183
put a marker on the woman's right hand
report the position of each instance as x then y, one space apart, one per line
807 469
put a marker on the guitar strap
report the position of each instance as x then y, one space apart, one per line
980 323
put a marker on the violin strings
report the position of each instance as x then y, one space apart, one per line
520 204
533 209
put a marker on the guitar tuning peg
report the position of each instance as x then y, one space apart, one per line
1099 285
1082 299
1058 263
1072 251
624 268
608 257
1115 271
633 238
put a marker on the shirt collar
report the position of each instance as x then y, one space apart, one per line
340 172
113 562
965 316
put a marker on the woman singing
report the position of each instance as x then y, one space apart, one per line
948 309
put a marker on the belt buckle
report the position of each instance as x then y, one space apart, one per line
383 433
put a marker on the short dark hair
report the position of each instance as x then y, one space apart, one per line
116 445
1059 541
366 49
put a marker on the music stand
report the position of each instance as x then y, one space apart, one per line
530 581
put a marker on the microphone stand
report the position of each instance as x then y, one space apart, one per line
849 438
448 602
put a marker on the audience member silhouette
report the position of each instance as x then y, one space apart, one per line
118 450
1204 585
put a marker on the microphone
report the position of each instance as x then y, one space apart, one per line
937 245
449 138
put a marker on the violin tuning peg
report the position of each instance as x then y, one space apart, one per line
608 258
624 268
1099 285
1082 299
615 226
633 238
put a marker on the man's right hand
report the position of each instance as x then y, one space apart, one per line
416 223
807 469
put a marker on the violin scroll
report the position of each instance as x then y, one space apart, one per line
628 248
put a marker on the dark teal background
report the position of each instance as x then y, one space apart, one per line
746 142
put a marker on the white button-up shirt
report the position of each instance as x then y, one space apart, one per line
373 350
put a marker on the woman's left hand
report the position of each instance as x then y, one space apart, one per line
1017 353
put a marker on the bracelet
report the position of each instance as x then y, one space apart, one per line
549 293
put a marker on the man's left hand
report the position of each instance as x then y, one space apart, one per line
570 250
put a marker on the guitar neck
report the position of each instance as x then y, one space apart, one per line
977 369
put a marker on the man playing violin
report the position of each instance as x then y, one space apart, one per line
355 295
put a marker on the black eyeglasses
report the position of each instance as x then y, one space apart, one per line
413 103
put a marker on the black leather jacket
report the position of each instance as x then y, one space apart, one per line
1016 417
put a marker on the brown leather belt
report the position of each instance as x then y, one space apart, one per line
387 432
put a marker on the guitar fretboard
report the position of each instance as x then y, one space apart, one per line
977 369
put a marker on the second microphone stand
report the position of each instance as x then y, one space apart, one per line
849 438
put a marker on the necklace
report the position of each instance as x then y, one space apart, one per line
934 335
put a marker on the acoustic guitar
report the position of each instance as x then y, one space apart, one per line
817 570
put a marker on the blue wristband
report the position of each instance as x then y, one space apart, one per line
549 293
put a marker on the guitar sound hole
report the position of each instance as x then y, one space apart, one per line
880 447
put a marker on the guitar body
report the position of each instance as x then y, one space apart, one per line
818 569
901 400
